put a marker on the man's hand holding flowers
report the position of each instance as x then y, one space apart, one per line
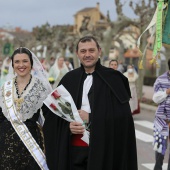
77 128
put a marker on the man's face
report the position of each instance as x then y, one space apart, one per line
88 54
113 65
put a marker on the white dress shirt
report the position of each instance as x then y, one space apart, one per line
86 87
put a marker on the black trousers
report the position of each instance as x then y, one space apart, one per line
159 161
79 157
159 158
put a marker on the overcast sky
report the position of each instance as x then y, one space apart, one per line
30 13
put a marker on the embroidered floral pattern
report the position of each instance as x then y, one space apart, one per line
34 96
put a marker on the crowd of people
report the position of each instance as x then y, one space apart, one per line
33 137
101 96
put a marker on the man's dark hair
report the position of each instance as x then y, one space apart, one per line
112 61
87 39
20 51
169 64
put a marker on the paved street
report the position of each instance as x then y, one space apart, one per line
143 127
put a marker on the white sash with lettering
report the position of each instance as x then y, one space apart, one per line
21 129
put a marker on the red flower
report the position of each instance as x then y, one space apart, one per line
55 94
53 106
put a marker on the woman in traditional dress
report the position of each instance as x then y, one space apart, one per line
58 70
45 65
21 97
4 70
132 76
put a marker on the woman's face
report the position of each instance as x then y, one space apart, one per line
22 64
61 61
130 69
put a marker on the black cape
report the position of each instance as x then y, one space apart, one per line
112 135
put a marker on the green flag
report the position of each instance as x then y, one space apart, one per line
166 25
8 49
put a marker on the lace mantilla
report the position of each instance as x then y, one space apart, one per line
33 97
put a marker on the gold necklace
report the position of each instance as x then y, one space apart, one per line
18 102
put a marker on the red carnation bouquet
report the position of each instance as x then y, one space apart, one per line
61 103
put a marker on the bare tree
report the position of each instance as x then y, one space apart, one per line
144 10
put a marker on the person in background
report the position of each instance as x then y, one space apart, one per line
58 70
21 97
45 64
4 70
52 60
101 96
121 67
132 78
68 64
161 96
113 64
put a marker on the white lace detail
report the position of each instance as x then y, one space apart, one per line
34 96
